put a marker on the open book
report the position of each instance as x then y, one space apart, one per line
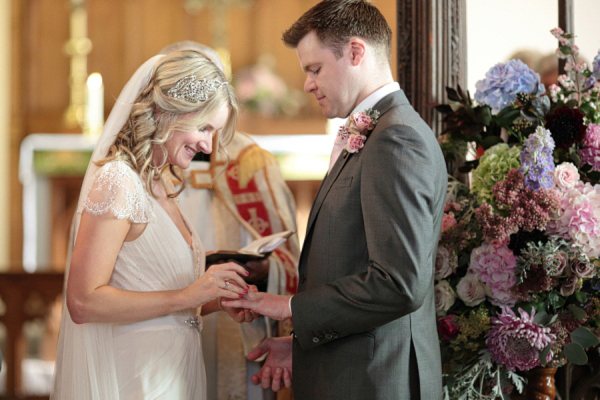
256 250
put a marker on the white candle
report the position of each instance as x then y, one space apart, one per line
94 111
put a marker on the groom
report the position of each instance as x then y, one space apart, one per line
364 316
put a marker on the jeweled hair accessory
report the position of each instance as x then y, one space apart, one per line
194 90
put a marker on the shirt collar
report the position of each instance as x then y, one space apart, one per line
377 95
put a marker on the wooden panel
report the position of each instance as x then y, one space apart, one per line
16 289
18 112
431 52
48 70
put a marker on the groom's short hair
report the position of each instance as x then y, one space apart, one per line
335 22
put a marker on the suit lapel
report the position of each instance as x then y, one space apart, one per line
384 105
325 187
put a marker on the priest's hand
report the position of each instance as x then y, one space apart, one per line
276 372
258 271
269 305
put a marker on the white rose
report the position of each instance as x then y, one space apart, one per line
444 263
444 297
471 290
566 175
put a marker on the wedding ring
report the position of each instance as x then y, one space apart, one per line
226 284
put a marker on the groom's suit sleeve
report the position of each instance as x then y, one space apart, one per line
398 191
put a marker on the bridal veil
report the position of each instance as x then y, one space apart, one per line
93 376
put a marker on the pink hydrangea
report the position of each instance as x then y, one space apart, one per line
578 218
590 153
495 267
516 342
592 136
591 156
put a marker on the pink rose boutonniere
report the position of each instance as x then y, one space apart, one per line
357 128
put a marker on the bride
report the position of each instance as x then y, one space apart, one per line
136 280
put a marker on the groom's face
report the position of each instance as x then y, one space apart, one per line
327 77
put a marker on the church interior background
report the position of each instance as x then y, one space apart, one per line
52 105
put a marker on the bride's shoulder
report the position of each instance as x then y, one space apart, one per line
118 187
117 174
117 167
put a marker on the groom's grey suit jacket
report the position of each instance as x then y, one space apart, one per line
364 316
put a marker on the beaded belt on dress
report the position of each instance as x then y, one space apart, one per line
155 323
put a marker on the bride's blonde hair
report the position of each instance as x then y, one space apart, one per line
155 116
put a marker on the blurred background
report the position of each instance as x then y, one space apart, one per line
64 62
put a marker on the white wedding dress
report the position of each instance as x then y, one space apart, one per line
159 358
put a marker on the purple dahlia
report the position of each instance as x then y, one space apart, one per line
517 342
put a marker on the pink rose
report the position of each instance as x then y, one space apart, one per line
452 206
446 262
355 143
566 175
570 285
447 328
444 297
448 221
558 264
362 121
471 290
583 269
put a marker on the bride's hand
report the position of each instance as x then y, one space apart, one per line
241 315
220 280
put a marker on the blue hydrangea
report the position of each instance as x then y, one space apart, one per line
537 163
502 83
596 66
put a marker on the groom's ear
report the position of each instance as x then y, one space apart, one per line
357 50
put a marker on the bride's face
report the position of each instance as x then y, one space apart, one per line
183 145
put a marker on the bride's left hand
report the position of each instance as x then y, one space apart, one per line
241 315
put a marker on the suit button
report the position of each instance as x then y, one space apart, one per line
335 335
316 339
328 336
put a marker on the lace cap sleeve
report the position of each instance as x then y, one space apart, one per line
118 189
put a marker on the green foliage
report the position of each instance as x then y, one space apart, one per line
584 337
468 123
575 354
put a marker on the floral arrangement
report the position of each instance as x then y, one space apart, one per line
355 131
504 81
262 91
518 264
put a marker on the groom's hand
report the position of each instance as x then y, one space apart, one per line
277 369
241 315
269 305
